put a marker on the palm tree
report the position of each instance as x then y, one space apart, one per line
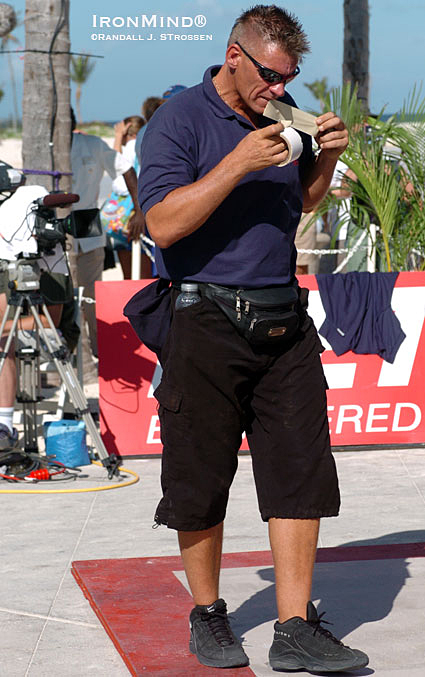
388 195
7 19
46 120
319 89
81 69
356 48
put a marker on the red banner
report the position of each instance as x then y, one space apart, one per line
369 400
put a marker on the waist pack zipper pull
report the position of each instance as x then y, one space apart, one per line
238 307
251 326
246 307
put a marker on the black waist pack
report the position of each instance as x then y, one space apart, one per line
263 316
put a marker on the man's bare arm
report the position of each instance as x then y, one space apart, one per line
136 224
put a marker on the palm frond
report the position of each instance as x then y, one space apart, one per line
81 68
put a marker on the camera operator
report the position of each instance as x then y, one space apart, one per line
16 239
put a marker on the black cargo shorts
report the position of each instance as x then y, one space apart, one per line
215 386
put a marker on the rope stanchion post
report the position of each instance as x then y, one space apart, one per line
136 258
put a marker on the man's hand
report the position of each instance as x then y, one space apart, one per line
136 225
333 134
260 149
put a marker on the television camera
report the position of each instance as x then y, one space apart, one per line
48 231
24 280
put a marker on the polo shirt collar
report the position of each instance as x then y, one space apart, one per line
219 107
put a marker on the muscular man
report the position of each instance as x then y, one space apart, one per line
223 212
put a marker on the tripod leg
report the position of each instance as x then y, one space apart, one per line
4 353
26 368
76 394
28 392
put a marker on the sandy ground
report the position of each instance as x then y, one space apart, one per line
11 152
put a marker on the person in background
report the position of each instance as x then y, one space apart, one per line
90 158
16 237
305 238
149 106
124 142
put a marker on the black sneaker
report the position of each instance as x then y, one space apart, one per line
300 644
212 639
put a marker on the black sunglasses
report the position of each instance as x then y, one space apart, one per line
270 76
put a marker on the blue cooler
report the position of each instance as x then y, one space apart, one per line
66 442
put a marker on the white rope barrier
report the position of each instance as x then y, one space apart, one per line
323 252
148 241
351 253
343 250
144 241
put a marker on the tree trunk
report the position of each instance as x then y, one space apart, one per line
46 107
15 116
46 99
356 47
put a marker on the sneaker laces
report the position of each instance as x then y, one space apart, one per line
219 626
316 623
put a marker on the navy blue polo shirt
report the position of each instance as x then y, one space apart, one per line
248 241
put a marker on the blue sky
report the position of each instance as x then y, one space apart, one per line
132 70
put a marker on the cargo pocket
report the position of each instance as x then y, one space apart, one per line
168 397
175 426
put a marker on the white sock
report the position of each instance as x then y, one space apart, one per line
6 417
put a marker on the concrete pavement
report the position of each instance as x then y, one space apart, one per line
48 628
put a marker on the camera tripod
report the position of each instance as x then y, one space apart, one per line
28 373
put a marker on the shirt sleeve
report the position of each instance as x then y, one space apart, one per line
168 155
114 163
119 185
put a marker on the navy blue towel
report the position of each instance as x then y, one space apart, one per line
359 316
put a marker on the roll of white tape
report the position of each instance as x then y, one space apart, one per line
294 143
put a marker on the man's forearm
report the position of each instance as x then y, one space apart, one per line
130 178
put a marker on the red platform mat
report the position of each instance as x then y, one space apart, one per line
144 608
